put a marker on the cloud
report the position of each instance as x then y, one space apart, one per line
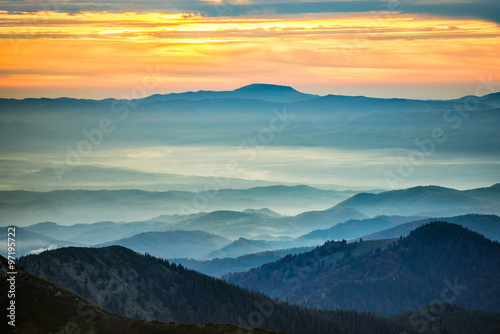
488 10
483 9
110 50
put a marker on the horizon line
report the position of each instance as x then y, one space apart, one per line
245 86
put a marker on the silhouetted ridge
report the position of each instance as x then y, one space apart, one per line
257 88
399 276
440 231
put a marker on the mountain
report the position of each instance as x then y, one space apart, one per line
244 246
69 207
488 193
219 267
172 244
230 224
148 288
425 201
265 92
227 223
218 120
355 228
329 119
44 177
96 233
311 220
273 93
487 225
492 99
29 242
437 262
446 318
263 212
233 224
45 307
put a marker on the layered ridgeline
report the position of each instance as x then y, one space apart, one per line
172 244
69 207
123 280
178 244
218 267
44 307
436 262
228 214
227 117
428 201
144 287
487 225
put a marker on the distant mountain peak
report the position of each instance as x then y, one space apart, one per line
259 87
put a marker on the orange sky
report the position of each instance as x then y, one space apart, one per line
98 55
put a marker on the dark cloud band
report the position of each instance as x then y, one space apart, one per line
484 9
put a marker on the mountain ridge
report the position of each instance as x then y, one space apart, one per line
402 276
260 87
422 200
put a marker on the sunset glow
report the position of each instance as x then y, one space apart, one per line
90 54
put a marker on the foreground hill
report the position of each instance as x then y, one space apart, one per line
404 276
487 225
426 201
44 307
453 319
148 288
48 307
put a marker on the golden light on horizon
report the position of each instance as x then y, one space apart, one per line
106 50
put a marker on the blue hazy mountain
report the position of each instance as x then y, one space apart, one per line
216 120
68 207
343 221
172 244
321 219
426 201
26 175
264 212
213 118
96 233
221 266
355 228
265 92
27 242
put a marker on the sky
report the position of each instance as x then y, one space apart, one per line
429 49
